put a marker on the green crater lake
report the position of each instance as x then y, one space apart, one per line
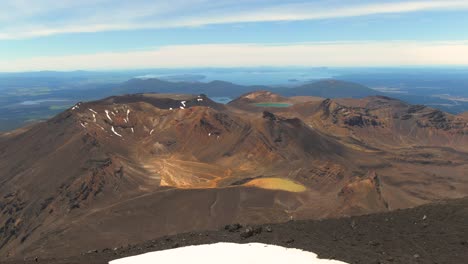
273 104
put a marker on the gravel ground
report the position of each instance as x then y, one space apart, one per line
435 233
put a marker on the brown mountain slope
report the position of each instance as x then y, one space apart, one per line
386 122
376 121
98 157
423 151
434 233
129 168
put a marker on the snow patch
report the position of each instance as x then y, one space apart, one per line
94 118
113 130
107 114
228 253
83 125
127 119
151 132
170 108
92 110
181 107
133 131
183 103
200 99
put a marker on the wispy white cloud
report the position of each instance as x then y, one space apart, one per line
399 53
300 11
26 19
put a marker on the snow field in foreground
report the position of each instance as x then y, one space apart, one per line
228 253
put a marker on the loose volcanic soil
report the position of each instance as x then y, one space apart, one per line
435 233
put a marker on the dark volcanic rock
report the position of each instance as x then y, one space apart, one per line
233 227
269 115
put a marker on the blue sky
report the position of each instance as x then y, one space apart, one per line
118 34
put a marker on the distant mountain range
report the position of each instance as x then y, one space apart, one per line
322 88
214 88
47 93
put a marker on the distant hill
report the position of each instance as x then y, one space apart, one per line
330 89
213 88
464 115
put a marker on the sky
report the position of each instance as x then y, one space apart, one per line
119 34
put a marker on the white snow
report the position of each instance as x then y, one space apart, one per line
83 125
127 119
209 134
228 253
151 132
133 131
94 118
75 107
107 114
170 108
183 103
200 99
113 130
181 107
92 110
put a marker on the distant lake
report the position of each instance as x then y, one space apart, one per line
246 76
281 105
265 77
36 102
